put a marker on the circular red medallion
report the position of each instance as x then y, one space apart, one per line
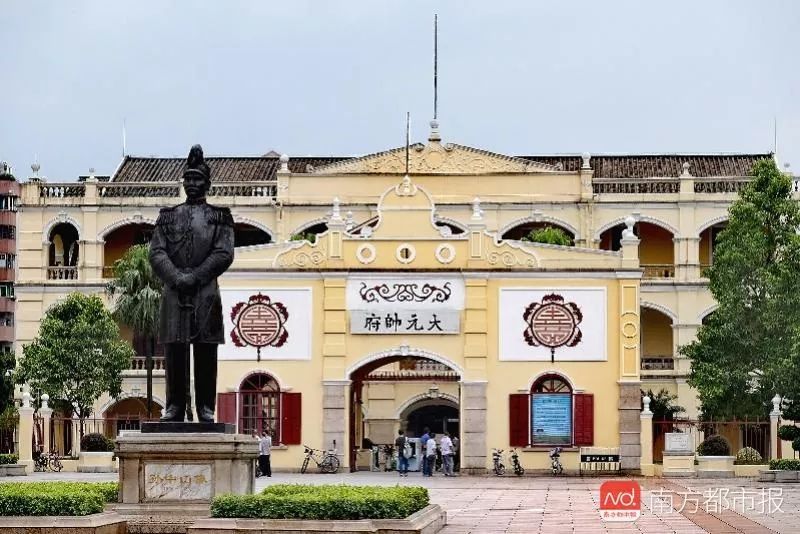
553 325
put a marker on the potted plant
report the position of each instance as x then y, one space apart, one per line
714 459
748 462
97 454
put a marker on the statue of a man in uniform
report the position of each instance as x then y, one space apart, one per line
192 245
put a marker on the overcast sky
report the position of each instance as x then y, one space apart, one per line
336 78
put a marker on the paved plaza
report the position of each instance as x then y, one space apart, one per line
488 505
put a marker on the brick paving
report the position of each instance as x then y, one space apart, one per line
544 505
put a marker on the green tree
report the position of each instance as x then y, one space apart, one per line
662 404
749 349
7 363
77 355
550 235
136 294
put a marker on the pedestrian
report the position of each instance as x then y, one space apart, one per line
423 441
401 444
430 454
447 454
456 461
264 452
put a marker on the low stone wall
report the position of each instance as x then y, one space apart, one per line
429 520
12 470
105 523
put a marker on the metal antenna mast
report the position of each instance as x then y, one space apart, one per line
435 66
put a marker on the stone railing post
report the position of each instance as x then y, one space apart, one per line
283 174
76 437
774 419
26 430
630 245
646 420
46 412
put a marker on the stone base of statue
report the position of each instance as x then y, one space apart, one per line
170 472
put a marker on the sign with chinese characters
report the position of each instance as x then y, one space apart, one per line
405 305
267 323
177 482
678 442
553 324
404 322
551 419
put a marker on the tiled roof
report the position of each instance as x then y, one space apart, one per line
659 165
263 168
223 169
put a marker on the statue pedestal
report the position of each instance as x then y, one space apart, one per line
169 477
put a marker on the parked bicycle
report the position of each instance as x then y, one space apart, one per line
327 462
555 461
497 462
50 461
518 469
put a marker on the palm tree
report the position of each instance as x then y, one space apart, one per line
136 291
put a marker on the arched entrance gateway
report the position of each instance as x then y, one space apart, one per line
427 392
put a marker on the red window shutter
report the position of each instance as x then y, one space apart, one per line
226 408
291 408
519 405
583 419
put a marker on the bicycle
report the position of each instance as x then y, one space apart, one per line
326 461
499 468
555 461
50 461
518 469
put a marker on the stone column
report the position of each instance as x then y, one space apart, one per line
646 423
26 430
630 428
46 412
473 426
774 419
76 436
335 417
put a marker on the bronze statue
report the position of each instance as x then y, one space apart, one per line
192 245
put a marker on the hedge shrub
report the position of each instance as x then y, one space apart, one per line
96 442
785 464
297 501
8 459
788 432
748 456
714 445
55 498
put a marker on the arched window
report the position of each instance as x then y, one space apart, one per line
259 409
551 411
551 414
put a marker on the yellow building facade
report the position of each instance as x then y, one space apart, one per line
363 300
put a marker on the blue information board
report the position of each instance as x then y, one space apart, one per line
551 419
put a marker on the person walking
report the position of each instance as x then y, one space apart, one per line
401 444
456 456
447 454
264 452
430 454
423 442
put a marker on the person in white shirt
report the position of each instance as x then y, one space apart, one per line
447 454
264 451
430 454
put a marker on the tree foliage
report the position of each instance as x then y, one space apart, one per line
662 404
748 349
550 235
7 363
77 355
136 291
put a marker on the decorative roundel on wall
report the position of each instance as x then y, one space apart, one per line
445 253
406 253
366 253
